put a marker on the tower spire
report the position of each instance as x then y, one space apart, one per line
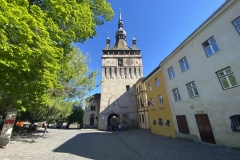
120 14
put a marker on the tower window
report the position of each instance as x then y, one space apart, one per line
130 72
110 70
115 71
135 72
125 72
120 62
127 87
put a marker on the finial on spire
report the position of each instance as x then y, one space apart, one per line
120 15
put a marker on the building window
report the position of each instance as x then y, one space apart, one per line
184 64
120 62
227 78
235 123
93 108
192 89
135 72
154 122
143 117
141 102
138 103
157 82
115 71
236 24
125 72
110 72
171 73
160 99
127 87
130 72
167 123
176 94
210 46
149 87
160 122
140 118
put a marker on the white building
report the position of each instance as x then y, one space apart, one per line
91 113
202 76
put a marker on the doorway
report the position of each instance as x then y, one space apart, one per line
182 124
92 120
204 128
113 121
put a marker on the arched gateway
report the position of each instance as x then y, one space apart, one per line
113 120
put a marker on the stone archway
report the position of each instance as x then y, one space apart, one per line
113 120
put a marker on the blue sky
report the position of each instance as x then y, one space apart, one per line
158 25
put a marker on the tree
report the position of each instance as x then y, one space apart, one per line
76 116
36 37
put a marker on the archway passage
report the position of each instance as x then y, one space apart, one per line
113 121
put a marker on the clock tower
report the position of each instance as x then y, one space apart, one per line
121 68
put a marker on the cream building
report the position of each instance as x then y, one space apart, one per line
91 113
121 68
143 112
202 76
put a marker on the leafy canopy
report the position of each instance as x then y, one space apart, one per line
35 40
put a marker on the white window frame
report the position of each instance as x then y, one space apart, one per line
184 64
226 75
237 25
157 82
153 103
211 41
171 73
160 99
149 87
192 89
176 95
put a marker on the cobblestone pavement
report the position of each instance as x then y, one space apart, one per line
128 145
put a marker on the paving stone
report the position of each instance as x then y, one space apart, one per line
133 144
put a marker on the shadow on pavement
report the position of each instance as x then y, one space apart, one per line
96 145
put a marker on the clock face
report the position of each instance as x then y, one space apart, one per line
129 61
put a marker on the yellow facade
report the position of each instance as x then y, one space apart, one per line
143 112
160 113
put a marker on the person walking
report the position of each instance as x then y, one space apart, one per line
119 127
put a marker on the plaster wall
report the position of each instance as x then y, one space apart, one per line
158 110
88 112
213 100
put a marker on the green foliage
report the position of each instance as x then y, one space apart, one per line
76 116
35 46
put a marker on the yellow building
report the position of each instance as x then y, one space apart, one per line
143 113
160 113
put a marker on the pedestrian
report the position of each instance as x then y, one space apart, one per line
119 127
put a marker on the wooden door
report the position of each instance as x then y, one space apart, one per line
91 120
182 124
204 128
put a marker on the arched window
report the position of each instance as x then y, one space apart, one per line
235 123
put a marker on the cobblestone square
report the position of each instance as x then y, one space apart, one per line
128 145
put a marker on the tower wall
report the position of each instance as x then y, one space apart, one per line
116 99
